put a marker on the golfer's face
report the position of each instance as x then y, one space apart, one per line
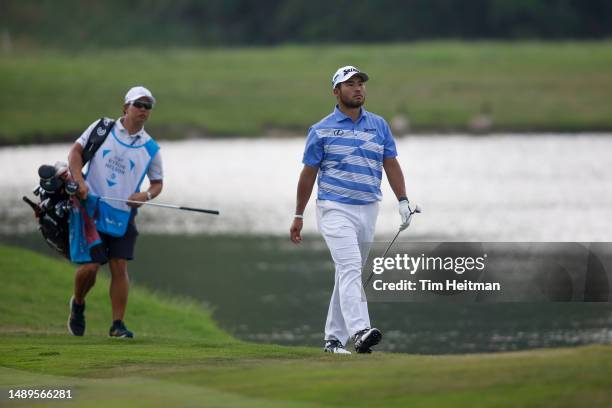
139 110
352 93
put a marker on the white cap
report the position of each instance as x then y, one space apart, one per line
138 92
345 73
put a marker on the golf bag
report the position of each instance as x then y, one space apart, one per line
55 190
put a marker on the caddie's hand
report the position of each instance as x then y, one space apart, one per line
295 230
83 190
142 197
405 213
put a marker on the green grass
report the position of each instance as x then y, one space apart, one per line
54 95
181 358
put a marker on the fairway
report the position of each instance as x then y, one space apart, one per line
181 358
439 86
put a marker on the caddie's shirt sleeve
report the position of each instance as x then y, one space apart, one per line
313 152
389 143
156 168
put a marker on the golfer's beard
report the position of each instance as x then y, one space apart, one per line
352 104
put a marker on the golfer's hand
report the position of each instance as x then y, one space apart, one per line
405 213
294 231
142 197
83 190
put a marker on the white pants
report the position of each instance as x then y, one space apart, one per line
348 230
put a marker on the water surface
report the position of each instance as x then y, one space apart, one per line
263 288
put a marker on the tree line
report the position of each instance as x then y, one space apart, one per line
115 23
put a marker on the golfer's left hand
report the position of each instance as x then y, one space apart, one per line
295 230
405 214
142 197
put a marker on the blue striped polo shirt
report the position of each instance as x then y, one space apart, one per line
349 156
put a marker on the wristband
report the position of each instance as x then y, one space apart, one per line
149 196
301 217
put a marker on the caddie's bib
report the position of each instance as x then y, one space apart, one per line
117 171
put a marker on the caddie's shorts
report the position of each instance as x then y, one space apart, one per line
115 247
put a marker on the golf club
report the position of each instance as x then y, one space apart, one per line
417 210
176 207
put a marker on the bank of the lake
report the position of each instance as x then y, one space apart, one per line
267 290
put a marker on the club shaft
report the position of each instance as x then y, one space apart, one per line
176 207
383 255
391 243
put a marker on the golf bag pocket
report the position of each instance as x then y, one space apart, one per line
111 220
55 231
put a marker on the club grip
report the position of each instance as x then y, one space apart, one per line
31 204
200 210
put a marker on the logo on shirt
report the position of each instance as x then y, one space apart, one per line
338 132
369 130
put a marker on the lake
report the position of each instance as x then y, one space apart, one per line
262 288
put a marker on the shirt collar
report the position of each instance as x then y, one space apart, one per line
340 116
123 131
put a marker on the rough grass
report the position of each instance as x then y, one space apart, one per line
54 95
181 358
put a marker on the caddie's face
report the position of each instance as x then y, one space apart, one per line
351 93
139 110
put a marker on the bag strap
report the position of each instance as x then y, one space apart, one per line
96 138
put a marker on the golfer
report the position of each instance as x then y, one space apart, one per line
116 170
349 149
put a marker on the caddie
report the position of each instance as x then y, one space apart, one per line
348 150
126 155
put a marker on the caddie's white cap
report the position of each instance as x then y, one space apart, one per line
138 92
345 73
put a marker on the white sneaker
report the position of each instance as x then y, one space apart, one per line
335 347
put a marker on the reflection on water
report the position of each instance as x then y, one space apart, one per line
263 288
497 188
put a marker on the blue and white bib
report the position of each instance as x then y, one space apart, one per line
117 171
